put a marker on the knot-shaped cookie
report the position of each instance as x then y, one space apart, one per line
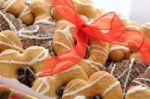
50 85
11 60
19 9
97 51
10 40
41 32
41 10
83 7
100 83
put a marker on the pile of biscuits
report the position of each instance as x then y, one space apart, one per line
32 32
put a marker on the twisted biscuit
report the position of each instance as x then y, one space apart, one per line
19 9
136 56
145 28
64 41
140 87
41 10
49 85
1 3
118 52
41 32
100 83
11 60
83 7
9 40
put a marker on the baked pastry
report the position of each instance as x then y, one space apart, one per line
10 40
41 32
1 3
83 7
64 41
100 83
118 52
19 9
12 60
41 10
49 85
140 86
145 28
136 56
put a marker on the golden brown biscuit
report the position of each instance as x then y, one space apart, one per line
100 83
11 60
50 84
19 9
9 40
26 16
136 56
63 41
145 28
83 7
41 9
118 52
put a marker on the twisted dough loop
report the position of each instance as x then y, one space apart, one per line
9 40
63 41
83 7
11 60
19 9
100 83
49 85
41 9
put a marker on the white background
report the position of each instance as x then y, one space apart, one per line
136 10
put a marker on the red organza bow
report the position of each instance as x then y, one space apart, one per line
107 28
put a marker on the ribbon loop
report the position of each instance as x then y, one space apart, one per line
107 28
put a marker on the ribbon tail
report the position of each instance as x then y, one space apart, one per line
68 59
66 9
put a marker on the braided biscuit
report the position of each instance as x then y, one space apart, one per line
64 41
1 3
83 7
19 9
41 10
11 60
146 30
49 85
41 32
100 83
136 56
140 87
9 40
118 52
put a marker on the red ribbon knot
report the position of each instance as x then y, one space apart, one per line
108 28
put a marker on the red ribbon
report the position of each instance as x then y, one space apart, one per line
117 33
